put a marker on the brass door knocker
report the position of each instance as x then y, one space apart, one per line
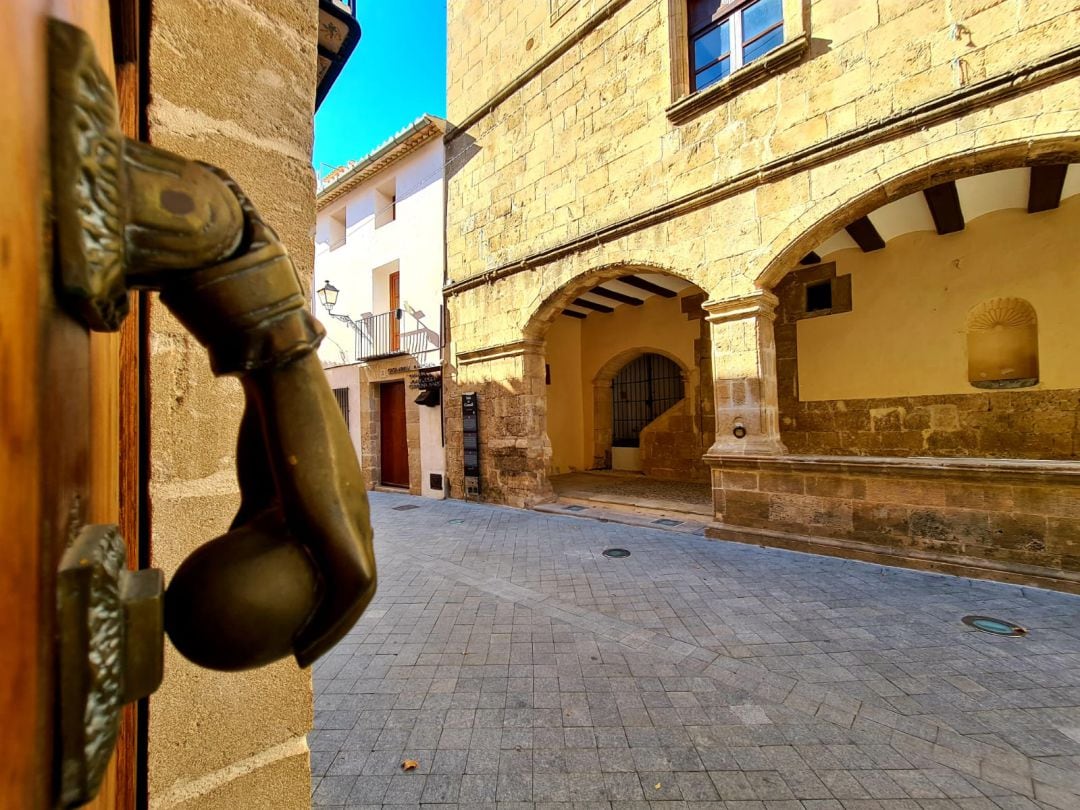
297 568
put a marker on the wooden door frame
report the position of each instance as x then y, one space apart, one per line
394 297
131 36
37 365
382 433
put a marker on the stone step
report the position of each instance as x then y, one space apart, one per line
631 515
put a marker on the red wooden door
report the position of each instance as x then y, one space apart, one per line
395 304
394 449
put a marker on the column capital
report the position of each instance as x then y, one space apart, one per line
758 304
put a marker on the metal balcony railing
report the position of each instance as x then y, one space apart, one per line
398 332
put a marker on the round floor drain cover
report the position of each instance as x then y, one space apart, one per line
456 521
616 552
995 626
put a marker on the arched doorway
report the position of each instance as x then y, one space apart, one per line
641 392
628 379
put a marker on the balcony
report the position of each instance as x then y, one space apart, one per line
398 332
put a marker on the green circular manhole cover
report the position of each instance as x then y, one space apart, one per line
996 626
616 552
456 520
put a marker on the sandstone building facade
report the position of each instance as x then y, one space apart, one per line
843 235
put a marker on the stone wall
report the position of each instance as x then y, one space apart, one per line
586 162
232 84
514 449
585 140
1013 521
1030 423
675 443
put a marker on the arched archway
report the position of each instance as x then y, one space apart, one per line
863 195
558 301
595 325
874 356
603 434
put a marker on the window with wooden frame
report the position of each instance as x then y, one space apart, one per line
722 47
724 36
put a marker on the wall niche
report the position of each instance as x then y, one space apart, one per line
1003 344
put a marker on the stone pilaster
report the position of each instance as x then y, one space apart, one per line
744 376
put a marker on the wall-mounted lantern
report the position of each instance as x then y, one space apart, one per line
328 295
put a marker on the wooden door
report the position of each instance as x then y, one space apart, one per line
60 413
395 304
393 444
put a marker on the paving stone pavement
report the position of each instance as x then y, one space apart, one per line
522 669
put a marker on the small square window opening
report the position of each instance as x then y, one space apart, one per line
819 296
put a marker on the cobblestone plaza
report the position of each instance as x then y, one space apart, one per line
521 668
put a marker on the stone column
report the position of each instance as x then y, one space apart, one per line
744 376
232 84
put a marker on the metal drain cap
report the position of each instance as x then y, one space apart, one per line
998 627
617 553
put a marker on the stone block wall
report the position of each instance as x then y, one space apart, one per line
514 450
1029 424
582 139
674 444
232 84
579 165
1014 521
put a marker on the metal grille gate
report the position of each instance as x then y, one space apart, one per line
642 390
342 397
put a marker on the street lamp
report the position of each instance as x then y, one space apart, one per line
328 294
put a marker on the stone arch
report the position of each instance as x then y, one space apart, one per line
864 195
537 326
601 396
608 371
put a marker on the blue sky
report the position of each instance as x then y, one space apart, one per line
396 73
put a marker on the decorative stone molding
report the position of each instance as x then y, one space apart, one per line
780 59
759 303
500 352
998 89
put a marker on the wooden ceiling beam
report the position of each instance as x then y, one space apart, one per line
944 203
622 298
810 258
648 286
865 235
581 302
569 313
1044 191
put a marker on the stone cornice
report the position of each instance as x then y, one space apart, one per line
758 304
1058 67
757 71
989 470
500 352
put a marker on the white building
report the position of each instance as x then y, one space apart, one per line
379 272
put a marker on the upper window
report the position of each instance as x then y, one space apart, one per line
385 203
724 36
337 228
